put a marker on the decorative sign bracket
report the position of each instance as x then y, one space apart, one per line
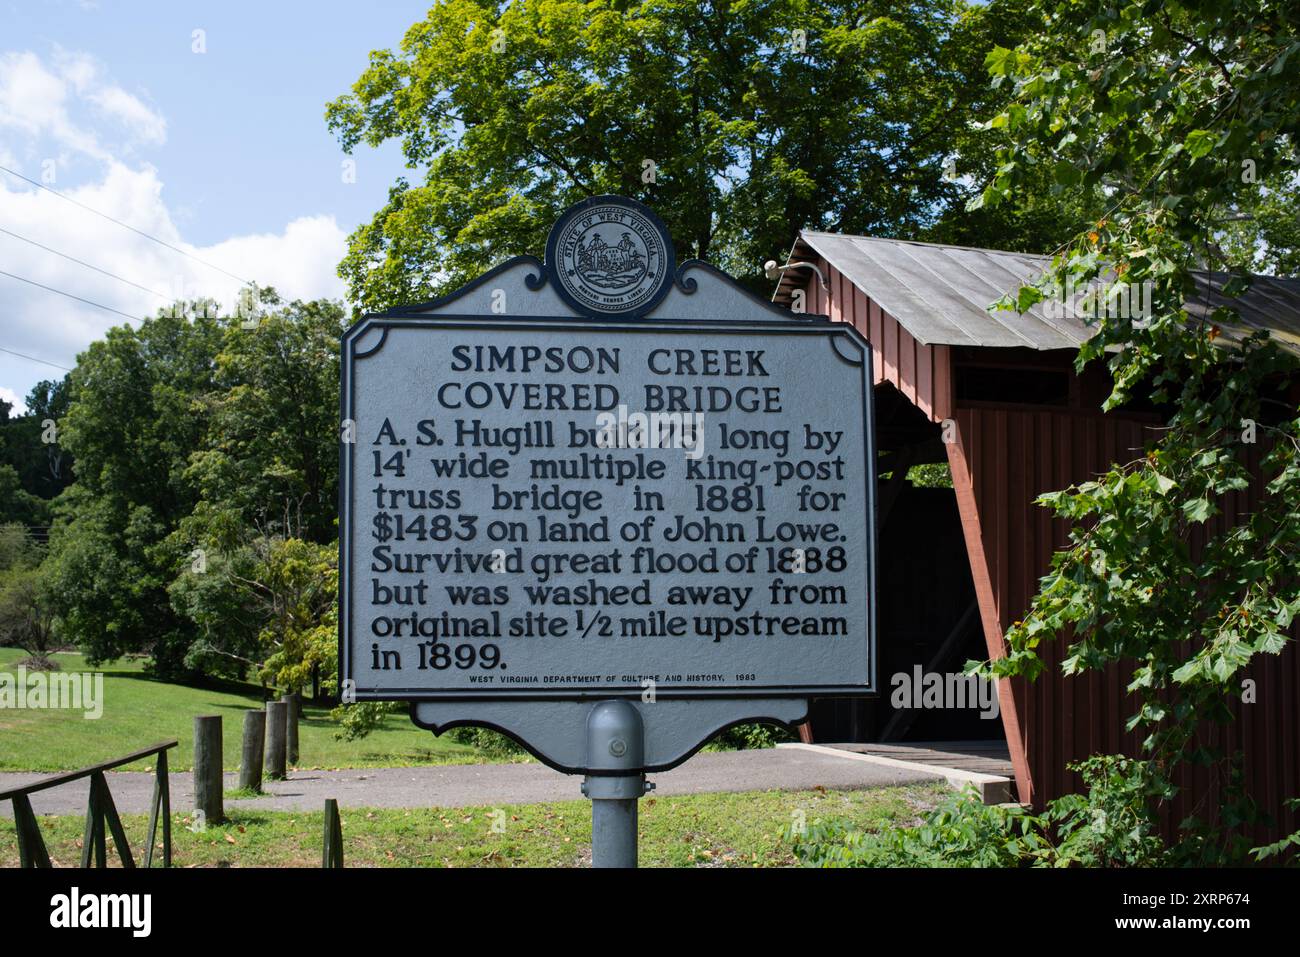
674 729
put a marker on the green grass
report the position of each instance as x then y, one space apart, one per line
240 794
140 710
700 830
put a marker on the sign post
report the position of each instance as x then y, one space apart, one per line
607 505
616 741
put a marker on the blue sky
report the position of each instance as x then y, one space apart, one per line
224 153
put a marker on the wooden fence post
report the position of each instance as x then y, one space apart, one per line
207 768
294 701
31 846
250 757
332 855
160 807
92 843
276 726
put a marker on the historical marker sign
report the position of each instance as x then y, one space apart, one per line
602 479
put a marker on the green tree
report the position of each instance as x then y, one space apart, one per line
1179 111
270 452
27 616
1263 235
136 411
265 607
18 549
16 503
34 467
26 610
758 118
266 480
194 437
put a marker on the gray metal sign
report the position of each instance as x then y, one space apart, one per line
605 478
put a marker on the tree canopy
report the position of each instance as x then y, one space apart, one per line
1185 115
34 467
195 438
738 123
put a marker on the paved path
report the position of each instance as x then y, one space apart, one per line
483 784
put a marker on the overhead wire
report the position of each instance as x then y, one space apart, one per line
45 362
89 302
82 262
138 232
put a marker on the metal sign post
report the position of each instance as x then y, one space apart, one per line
607 505
616 742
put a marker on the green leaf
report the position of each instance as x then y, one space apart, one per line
1066 173
998 61
1188 671
1272 642
1199 143
1027 296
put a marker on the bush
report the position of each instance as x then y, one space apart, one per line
961 832
494 744
743 737
1113 825
358 719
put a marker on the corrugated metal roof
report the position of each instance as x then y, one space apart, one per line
940 294
1270 303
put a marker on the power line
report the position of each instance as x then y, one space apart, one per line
34 359
79 262
89 302
139 232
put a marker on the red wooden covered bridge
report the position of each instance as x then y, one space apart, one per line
958 565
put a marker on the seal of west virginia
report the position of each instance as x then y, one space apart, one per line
611 256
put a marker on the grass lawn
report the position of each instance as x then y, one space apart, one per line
708 830
140 710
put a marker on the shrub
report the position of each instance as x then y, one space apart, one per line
742 737
1113 825
492 743
962 832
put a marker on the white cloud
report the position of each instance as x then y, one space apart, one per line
36 103
12 397
299 261
79 69
115 102
85 75
33 104
47 105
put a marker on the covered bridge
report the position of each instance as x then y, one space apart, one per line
958 566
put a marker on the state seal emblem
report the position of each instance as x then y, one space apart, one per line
610 257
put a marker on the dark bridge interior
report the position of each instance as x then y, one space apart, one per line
926 609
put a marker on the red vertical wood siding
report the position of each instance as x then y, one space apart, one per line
1001 460
918 371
